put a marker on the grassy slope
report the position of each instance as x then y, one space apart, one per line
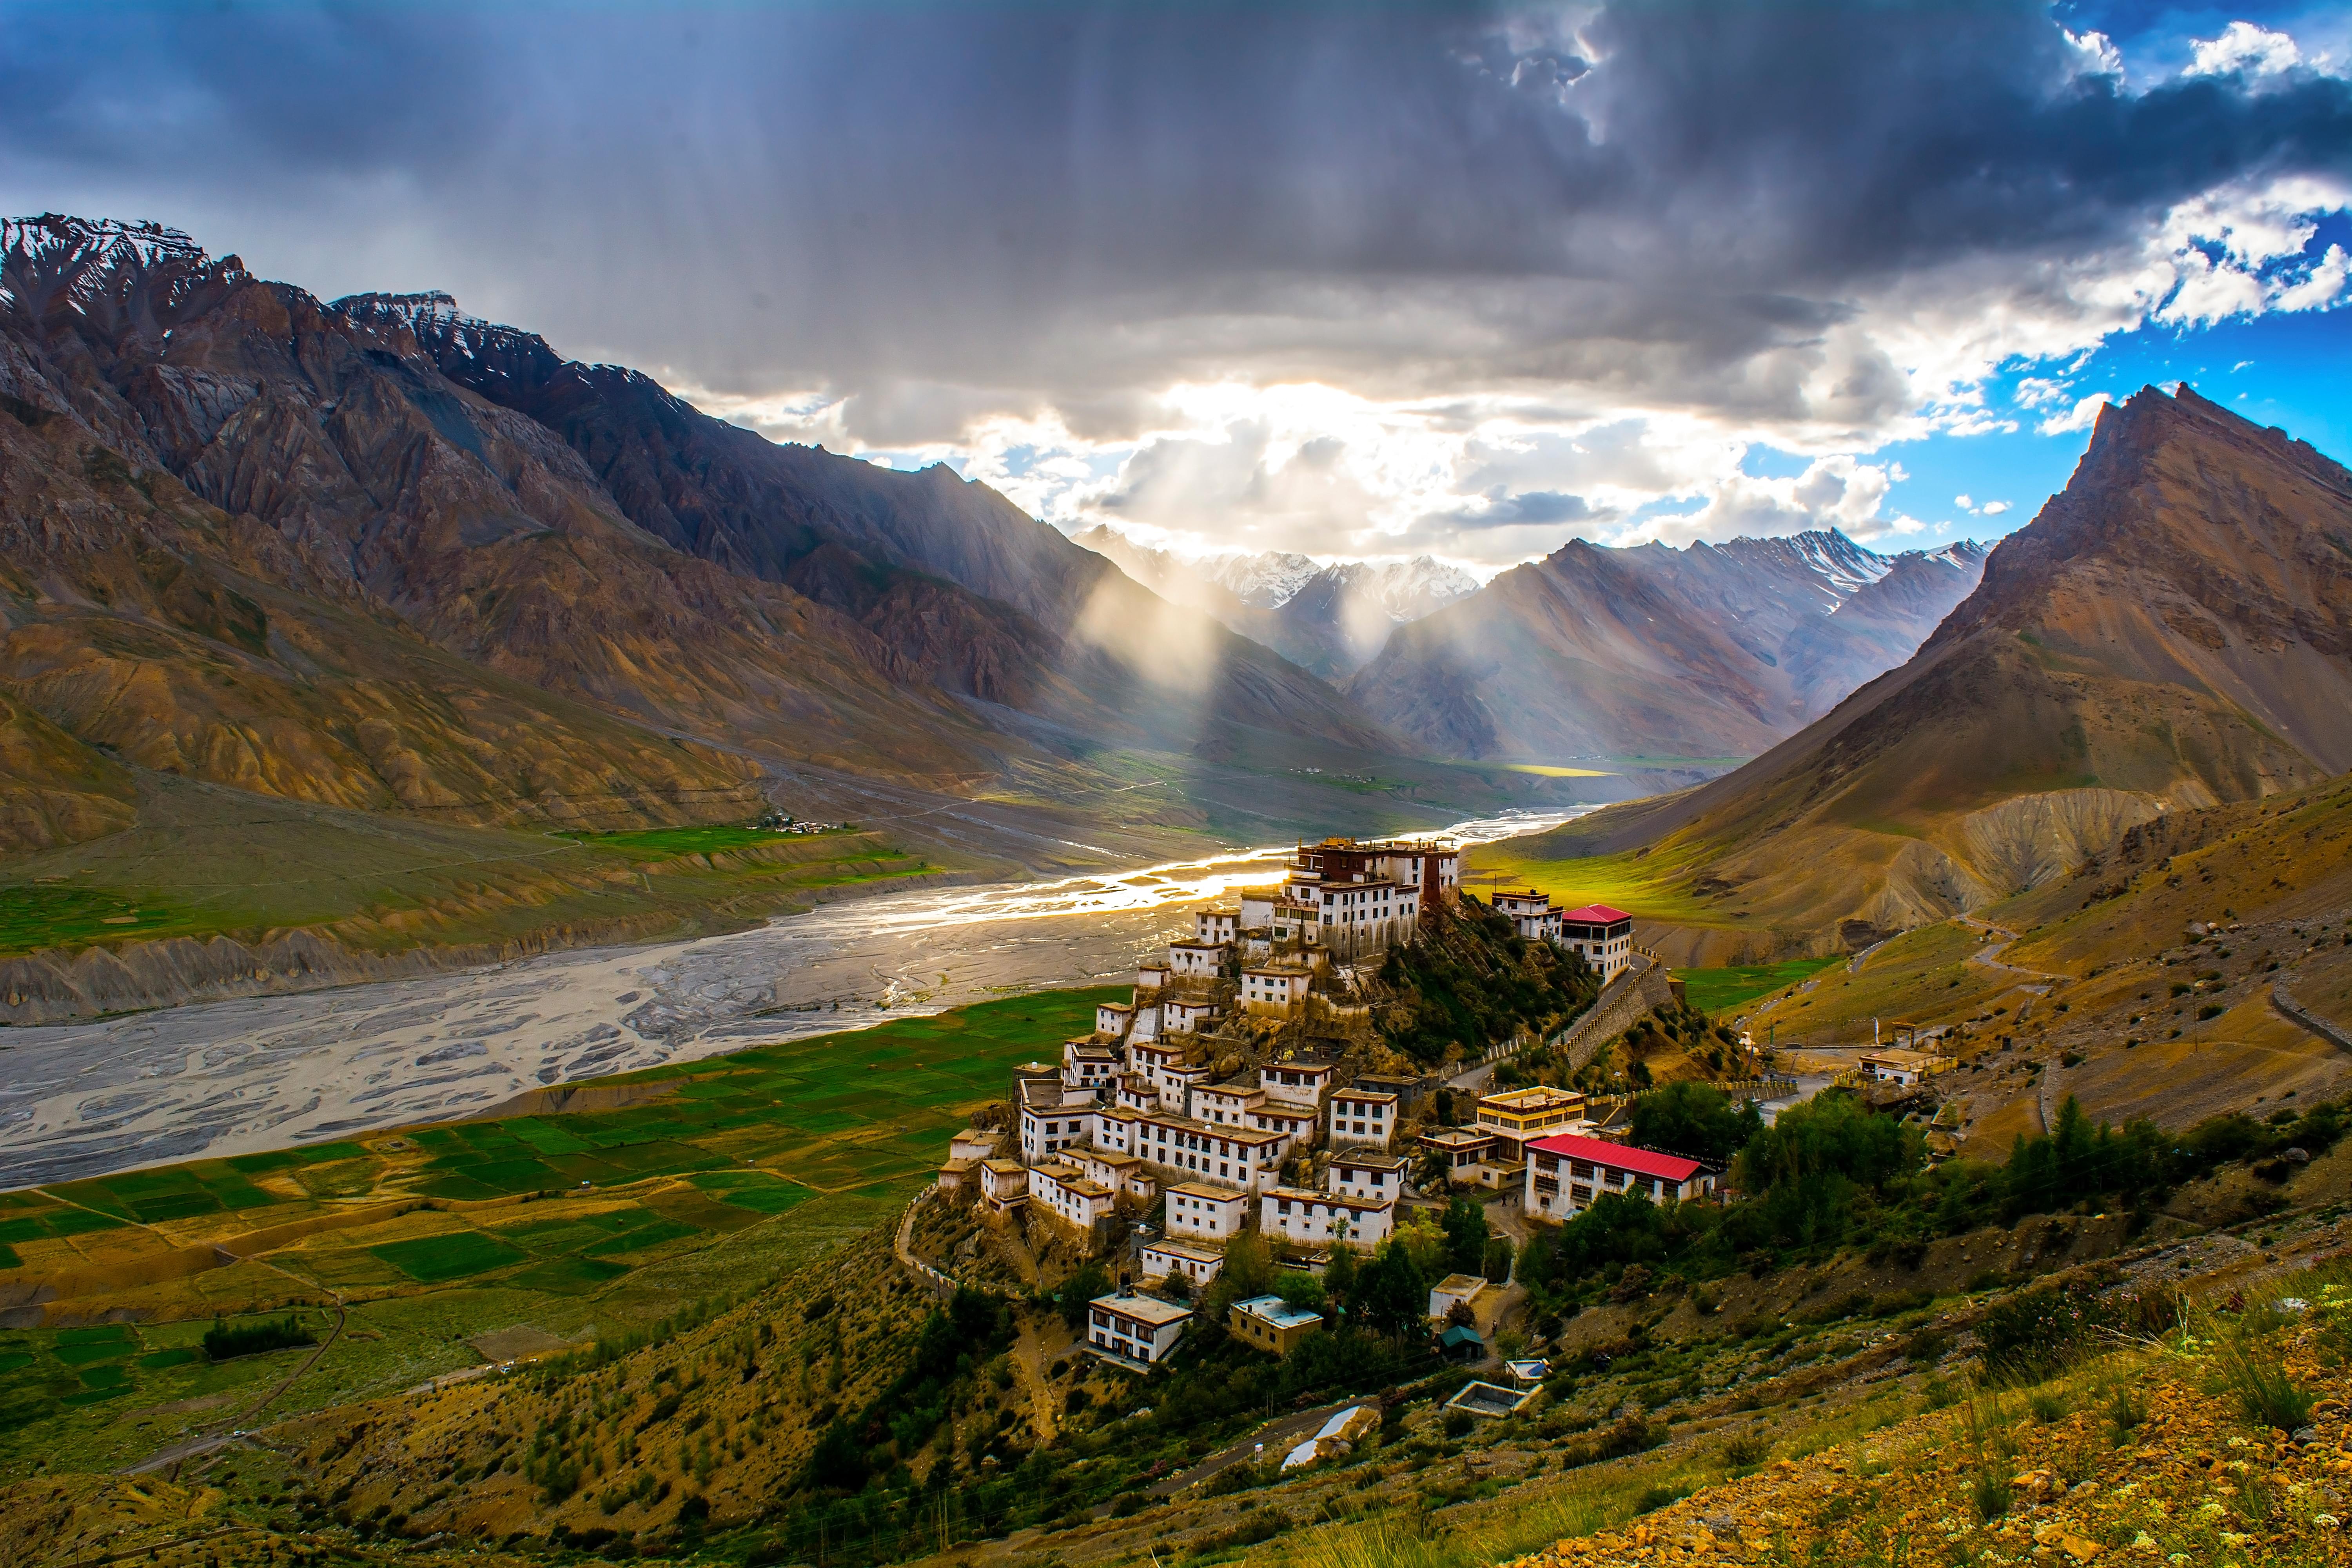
203 860
723 1172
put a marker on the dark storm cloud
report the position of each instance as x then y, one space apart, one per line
949 209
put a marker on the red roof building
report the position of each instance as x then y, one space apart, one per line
1602 936
1566 1173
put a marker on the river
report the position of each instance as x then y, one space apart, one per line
218 1078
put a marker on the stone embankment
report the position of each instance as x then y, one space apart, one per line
1620 1007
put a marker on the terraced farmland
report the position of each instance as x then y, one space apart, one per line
694 1181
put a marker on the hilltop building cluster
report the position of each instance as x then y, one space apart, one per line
1230 1092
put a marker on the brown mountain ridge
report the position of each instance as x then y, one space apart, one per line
374 553
2172 631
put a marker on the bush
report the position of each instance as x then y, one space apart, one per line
224 1343
1657 1497
2268 1397
1749 1447
1458 1423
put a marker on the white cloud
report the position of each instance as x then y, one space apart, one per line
2100 56
2082 416
1992 509
2245 48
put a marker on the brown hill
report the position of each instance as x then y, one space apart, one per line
379 555
2170 631
1717 650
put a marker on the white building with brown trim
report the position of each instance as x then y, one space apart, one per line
1003 1185
1312 1219
1196 960
1125 1175
1360 1116
1199 1264
1187 1014
1303 1083
1198 1210
1186 1150
1226 1104
1066 1193
1217 926
1357 1174
1601 935
1532 914
1296 1125
1087 1066
1134 1331
1276 989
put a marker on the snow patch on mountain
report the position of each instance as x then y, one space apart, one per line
1265 581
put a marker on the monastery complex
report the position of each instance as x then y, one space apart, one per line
1243 1086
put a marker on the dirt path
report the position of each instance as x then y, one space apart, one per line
1029 1368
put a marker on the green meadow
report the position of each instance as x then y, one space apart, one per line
559 1226
1713 991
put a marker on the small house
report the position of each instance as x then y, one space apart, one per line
1454 1290
1270 1323
1196 1209
1188 1259
1134 1331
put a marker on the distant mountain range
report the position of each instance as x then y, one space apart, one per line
1330 619
1712 651
2173 629
378 553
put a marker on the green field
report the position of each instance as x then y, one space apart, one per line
203 861
1713 991
664 842
745 1165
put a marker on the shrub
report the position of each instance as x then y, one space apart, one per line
2268 1397
1657 1497
1458 1423
1748 1448
224 1343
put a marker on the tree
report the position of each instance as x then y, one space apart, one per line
838 1463
1301 1290
1465 1236
1424 1242
1392 1293
1090 1281
1694 1120
1497 1261
1340 1274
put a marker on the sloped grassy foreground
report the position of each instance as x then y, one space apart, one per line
2226 1444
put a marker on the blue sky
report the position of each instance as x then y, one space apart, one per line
1464 278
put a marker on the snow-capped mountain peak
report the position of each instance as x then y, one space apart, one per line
1265 581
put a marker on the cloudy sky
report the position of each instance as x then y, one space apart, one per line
1362 278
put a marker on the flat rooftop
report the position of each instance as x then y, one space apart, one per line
1273 1309
1143 1308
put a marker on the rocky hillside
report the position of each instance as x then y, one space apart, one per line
1716 650
2173 630
378 555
